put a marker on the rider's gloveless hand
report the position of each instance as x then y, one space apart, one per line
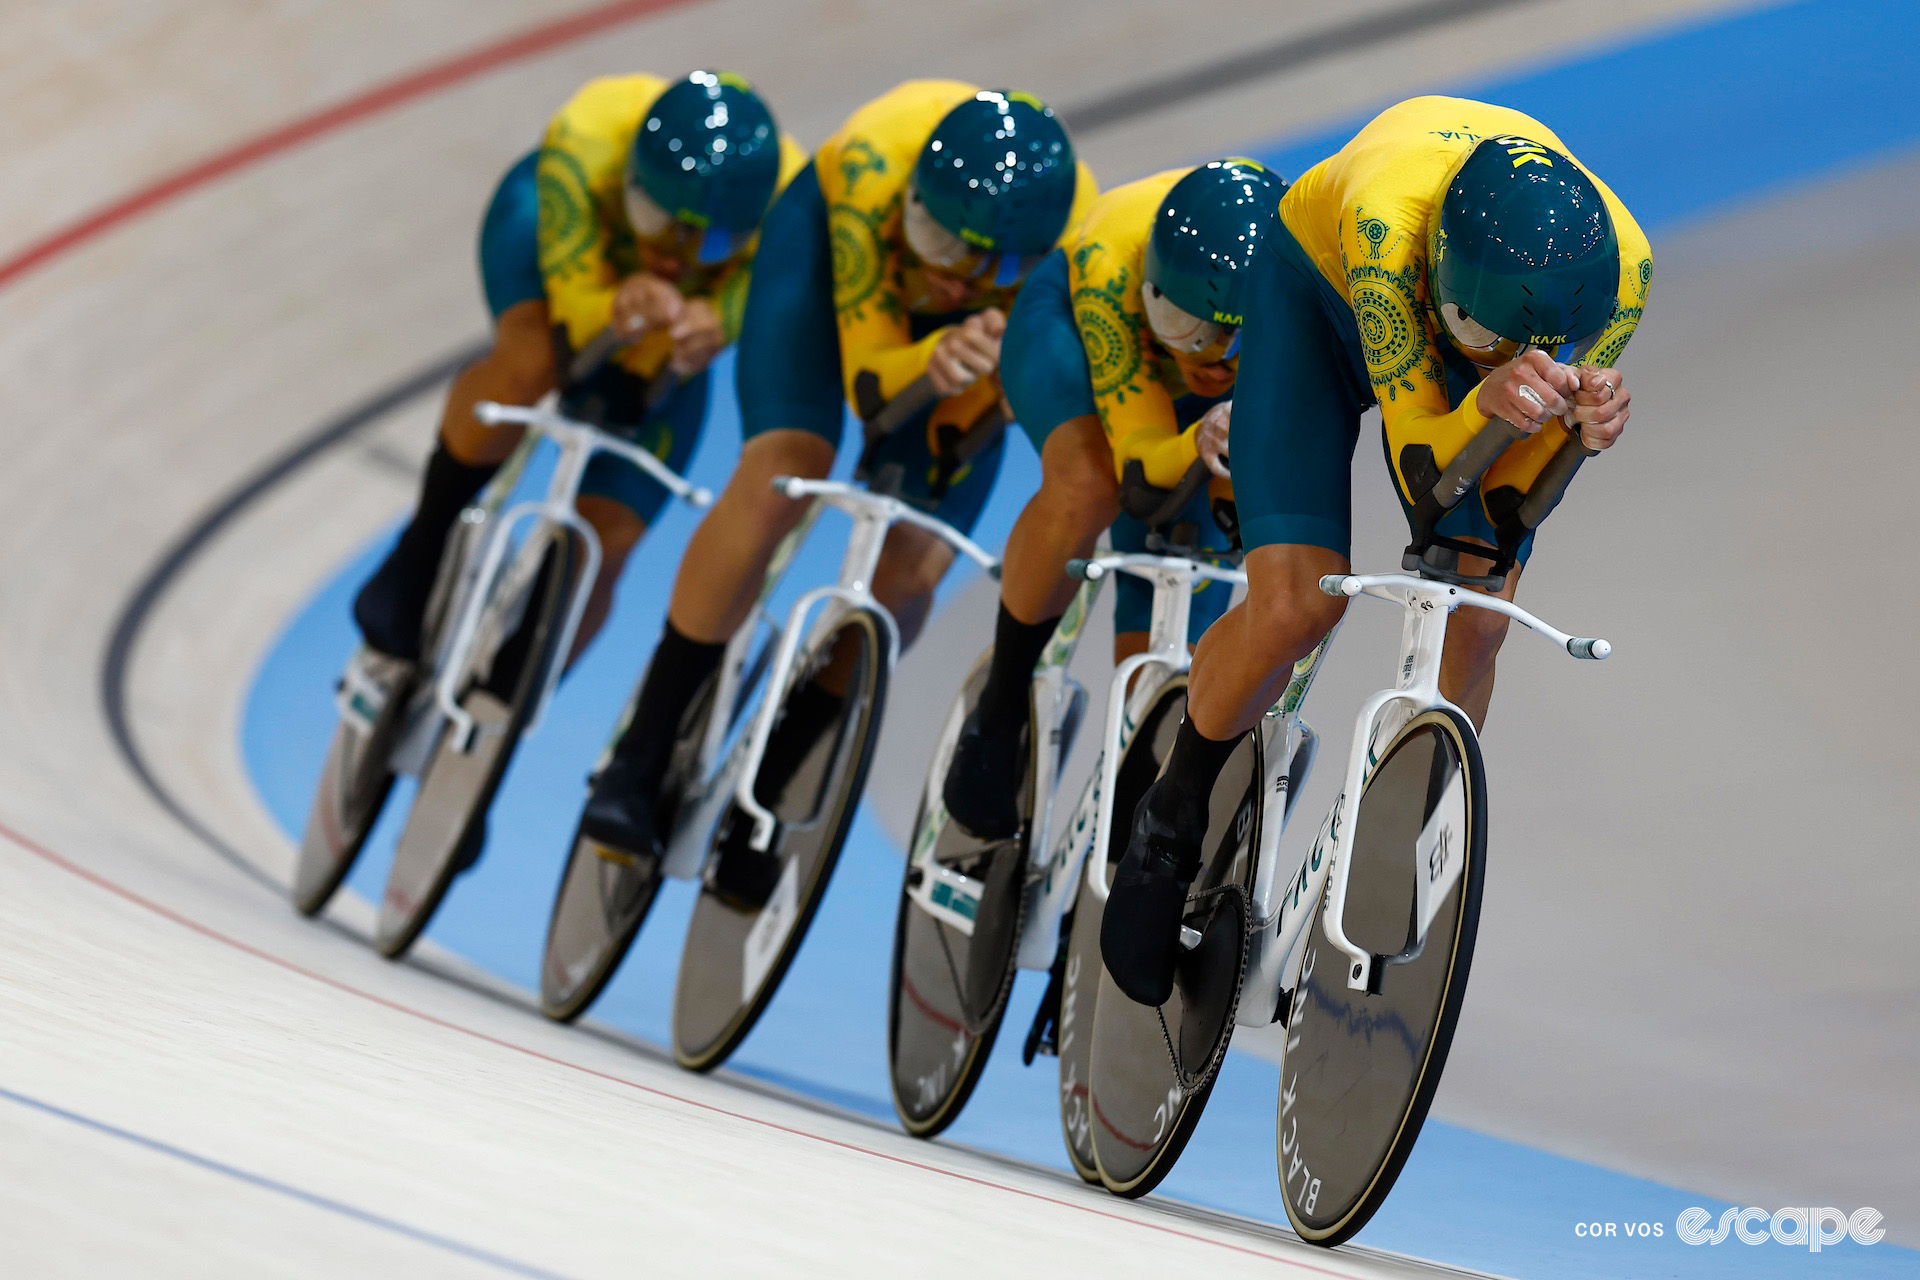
1527 390
1210 437
697 337
1601 406
967 352
644 303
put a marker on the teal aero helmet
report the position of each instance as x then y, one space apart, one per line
993 188
1521 252
704 165
1200 252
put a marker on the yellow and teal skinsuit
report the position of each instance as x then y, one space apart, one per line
1339 320
1078 344
556 231
846 317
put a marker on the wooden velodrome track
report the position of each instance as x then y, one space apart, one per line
199 1083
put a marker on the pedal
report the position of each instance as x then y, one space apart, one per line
1189 937
364 688
947 896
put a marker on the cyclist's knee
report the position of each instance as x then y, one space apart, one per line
1475 636
1077 485
750 500
1287 613
910 568
522 358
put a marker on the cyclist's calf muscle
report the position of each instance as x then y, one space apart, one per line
519 370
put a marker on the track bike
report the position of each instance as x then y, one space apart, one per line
1362 948
973 912
505 606
737 951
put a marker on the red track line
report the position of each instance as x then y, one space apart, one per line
382 97
207 931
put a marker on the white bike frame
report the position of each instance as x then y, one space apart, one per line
873 515
481 578
1052 867
1281 920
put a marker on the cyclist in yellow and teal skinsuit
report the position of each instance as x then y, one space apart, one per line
606 223
1452 264
898 249
1120 353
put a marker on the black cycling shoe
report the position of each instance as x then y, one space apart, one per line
983 782
1140 932
620 810
743 877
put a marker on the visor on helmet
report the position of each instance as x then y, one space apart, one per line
707 245
1181 331
1476 342
941 249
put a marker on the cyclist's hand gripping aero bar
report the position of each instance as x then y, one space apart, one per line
603 347
1429 552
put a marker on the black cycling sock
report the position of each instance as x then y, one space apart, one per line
679 667
1017 646
389 608
1186 784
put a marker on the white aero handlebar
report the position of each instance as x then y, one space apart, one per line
856 501
565 430
1093 570
1393 586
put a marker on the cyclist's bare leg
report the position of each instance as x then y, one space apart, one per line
726 562
1242 664
1078 498
518 370
1244 661
1474 637
619 530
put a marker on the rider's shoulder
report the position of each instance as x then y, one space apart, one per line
901 118
610 103
1116 224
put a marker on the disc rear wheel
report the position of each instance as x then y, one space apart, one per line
354 780
956 934
606 893
1153 1069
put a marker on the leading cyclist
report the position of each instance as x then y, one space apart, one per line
1121 353
640 211
898 249
1452 264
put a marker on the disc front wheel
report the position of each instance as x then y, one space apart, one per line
1360 1067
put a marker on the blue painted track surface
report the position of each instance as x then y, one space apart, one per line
1684 123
